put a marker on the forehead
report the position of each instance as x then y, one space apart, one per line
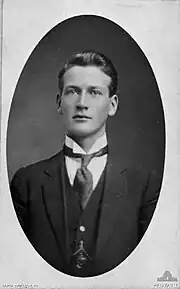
86 76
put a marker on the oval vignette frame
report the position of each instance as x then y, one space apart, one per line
35 131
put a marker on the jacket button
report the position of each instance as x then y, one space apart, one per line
82 228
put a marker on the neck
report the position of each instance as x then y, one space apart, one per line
86 142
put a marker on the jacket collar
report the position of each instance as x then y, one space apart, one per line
112 205
54 200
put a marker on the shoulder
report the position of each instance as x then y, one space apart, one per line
144 175
141 182
36 169
148 181
141 173
135 175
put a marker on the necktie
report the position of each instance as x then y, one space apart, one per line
83 182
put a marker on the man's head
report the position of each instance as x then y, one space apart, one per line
91 58
87 86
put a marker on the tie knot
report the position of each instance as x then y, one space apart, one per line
86 160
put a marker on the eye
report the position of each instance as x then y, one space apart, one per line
96 92
70 91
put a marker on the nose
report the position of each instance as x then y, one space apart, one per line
82 101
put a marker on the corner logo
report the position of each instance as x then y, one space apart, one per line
167 276
167 280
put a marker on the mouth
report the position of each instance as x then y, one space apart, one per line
81 117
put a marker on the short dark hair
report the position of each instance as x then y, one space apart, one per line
91 58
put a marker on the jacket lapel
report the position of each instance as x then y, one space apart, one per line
112 205
53 196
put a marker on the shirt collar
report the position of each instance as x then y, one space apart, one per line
100 143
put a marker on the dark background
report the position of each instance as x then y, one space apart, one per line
35 130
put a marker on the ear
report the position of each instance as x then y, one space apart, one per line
113 105
58 102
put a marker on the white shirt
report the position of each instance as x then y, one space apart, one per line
96 165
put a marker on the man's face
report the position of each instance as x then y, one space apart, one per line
85 103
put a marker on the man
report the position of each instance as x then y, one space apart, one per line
81 210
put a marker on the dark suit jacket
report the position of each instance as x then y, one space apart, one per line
129 201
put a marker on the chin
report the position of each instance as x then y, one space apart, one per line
81 133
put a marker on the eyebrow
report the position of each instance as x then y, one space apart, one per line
71 86
95 87
78 87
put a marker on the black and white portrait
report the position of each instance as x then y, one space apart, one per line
86 146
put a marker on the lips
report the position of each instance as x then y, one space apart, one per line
80 116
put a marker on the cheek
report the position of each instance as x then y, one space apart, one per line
102 110
67 107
